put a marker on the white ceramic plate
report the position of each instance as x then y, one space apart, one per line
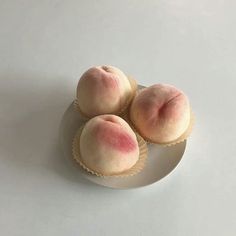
160 162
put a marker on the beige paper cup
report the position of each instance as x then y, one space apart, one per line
132 171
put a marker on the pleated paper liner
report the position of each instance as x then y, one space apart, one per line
139 165
133 84
181 139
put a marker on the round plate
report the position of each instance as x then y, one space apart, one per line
160 162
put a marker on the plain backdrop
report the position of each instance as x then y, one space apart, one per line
44 48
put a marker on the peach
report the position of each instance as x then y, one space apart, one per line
108 145
161 113
103 90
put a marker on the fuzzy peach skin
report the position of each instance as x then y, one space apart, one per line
161 113
103 90
108 145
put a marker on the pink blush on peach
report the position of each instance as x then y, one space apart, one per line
161 113
111 83
116 138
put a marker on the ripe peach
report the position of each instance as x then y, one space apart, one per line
108 145
161 113
103 90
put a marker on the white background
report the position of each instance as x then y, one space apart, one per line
46 45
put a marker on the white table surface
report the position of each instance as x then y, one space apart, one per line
44 48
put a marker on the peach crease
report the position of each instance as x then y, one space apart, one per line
181 139
163 110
